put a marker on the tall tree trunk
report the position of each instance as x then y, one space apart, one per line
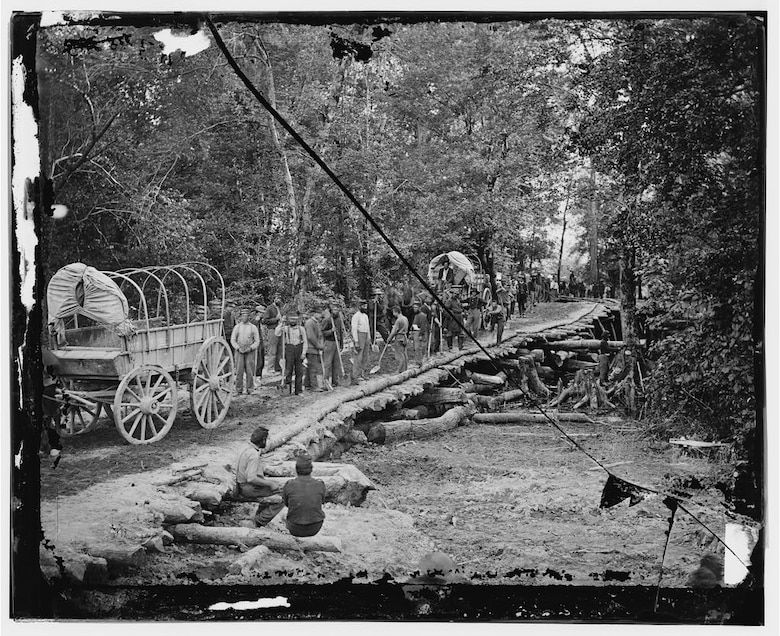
593 235
563 229
628 293
305 224
270 93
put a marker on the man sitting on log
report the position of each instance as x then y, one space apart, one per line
304 497
251 484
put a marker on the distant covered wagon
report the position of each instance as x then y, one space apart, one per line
463 274
123 342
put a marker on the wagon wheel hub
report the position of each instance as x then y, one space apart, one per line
149 405
214 384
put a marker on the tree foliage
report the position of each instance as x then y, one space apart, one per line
676 123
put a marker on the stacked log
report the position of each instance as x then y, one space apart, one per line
523 417
389 432
251 537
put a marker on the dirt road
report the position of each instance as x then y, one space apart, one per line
510 504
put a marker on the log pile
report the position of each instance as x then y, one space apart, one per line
390 432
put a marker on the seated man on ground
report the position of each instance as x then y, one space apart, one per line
304 497
251 484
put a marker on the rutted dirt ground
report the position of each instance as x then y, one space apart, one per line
510 504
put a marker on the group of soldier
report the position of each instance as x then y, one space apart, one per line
310 350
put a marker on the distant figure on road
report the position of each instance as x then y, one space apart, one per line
304 497
251 484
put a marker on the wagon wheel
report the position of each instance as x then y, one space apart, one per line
212 382
81 415
145 404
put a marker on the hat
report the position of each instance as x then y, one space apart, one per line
260 308
303 464
245 310
259 435
292 314
361 302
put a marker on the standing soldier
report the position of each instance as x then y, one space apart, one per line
522 296
295 345
257 321
398 335
314 347
245 340
498 314
361 332
377 314
453 325
420 331
331 330
271 319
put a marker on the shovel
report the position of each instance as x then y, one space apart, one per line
379 364
326 383
374 345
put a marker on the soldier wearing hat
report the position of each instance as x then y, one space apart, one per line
271 320
361 332
251 484
245 340
293 336
304 497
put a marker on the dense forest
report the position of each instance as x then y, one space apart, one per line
472 135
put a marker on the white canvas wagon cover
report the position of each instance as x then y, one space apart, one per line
80 289
462 266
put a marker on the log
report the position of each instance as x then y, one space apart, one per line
251 537
414 413
178 511
440 395
545 372
209 496
354 437
590 345
389 432
119 559
519 417
577 365
530 378
483 378
76 567
250 560
344 484
471 387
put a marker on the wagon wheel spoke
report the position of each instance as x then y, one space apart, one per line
133 393
222 364
165 392
151 423
202 397
138 417
157 384
130 414
142 436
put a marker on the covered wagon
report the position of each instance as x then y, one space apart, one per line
124 343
